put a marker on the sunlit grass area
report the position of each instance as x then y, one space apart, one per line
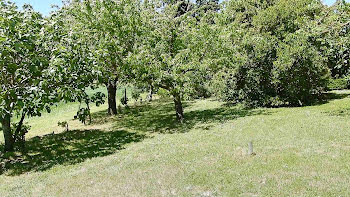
302 151
47 123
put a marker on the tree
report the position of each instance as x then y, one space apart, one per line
26 88
40 66
109 29
72 61
334 39
171 49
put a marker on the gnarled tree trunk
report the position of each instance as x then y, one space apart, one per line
112 94
178 107
6 128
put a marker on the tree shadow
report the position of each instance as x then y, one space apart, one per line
342 113
328 97
159 117
76 146
67 148
321 99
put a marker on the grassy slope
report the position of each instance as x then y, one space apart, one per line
47 123
299 151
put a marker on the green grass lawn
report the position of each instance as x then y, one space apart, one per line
301 151
47 123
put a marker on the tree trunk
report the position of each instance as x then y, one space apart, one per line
88 108
178 107
112 102
150 94
6 128
125 98
19 135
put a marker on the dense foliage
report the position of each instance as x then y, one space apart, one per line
262 53
276 60
108 30
26 86
172 49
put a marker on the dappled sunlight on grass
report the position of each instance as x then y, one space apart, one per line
67 148
132 125
211 141
159 117
144 149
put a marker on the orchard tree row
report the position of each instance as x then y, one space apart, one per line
261 53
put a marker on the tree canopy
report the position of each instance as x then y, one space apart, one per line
261 53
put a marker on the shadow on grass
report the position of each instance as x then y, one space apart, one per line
330 96
327 97
76 146
67 148
159 117
342 113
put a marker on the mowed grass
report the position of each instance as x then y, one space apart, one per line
301 151
48 122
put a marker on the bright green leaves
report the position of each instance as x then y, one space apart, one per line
275 43
299 65
264 51
2 39
334 39
174 47
24 62
107 30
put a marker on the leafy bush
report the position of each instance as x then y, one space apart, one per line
63 124
136 94
275 74
250 81
82 115
300 73
338 84
276 59
19 134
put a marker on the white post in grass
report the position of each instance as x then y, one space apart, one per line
250 148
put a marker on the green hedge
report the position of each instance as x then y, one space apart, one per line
339 84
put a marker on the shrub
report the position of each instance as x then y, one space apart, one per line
63 124
19 134
300 73
276 73
82 115
250 81
274 52
338 84
136 94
